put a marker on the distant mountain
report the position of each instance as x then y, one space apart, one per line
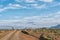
56 27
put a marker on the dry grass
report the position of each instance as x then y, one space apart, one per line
4 32
50 34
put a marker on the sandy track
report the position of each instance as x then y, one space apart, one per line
18 35
15 36
8 35
27 37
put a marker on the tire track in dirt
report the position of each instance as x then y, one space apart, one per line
8 36
27 37
15 36
18 35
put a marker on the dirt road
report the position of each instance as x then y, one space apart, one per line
18 35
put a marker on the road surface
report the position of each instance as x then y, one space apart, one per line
18 35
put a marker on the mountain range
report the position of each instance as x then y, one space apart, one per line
55 27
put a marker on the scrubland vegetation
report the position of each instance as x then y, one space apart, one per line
49 34
41 34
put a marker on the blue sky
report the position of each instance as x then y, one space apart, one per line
37 12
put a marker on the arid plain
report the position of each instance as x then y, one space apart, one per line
29 34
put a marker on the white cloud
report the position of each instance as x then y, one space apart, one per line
2 9
18 0
46 0
13 6
39 6
27 6
18 6
46 20
27 1
30 1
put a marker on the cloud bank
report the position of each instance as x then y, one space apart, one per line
41 21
